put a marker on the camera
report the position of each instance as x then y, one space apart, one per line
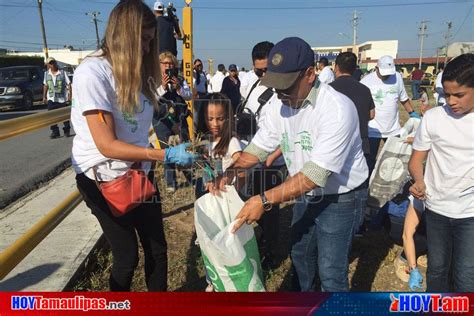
170 10
171 72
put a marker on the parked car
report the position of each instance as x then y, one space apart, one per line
20 87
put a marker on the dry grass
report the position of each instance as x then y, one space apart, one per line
371 260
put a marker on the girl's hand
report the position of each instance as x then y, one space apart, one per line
418 190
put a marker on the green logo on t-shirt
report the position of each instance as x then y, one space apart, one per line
305 141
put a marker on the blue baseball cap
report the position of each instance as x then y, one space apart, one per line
286 60
232 67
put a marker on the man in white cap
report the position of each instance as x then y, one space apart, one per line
168 29
386 86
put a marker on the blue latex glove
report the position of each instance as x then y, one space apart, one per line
416 279
415 115
179 155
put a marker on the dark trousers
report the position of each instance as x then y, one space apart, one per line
54 128
121 233
374 144
266 179
415 85
450 252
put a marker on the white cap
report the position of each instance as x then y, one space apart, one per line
386 65
158 6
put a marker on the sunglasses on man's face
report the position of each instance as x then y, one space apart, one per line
260 71
286 93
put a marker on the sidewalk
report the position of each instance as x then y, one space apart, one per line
51 265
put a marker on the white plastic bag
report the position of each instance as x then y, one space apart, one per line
232 261
391 169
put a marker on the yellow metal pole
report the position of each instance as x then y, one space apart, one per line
13 255
13 127
188 58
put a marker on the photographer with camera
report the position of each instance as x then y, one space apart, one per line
168 27
170 121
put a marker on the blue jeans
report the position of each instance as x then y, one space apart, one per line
449 250
321 237
415 85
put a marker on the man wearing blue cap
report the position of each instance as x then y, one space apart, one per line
317 131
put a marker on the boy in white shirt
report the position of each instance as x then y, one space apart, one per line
445 139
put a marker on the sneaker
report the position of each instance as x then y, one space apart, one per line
401 269
67 133
422 261
209 288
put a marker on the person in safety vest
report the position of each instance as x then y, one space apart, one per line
56 92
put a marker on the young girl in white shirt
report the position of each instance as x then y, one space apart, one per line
216 121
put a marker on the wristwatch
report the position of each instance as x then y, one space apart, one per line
266 204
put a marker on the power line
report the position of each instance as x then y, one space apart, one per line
464 21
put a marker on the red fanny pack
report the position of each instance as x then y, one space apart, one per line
126 192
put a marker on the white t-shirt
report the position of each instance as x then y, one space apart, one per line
386 95
248 80
441 100
325 133
253 105
57 97
326 76
215 83
94 89
234 147
449 171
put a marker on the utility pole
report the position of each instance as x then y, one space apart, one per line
210 62
355 22
422 35
45 44
94 15
447 36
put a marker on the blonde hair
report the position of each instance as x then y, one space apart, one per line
122 46
169 55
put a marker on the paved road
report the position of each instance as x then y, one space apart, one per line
7 115
28 160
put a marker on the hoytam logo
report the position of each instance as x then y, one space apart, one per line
436 303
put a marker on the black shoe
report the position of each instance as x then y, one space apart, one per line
54 135
67 133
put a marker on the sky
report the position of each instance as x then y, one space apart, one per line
226 30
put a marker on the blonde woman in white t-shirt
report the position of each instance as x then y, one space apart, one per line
112 112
